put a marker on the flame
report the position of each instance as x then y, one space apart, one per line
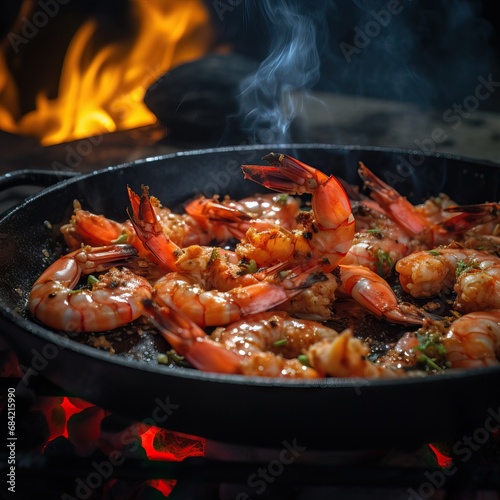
103 92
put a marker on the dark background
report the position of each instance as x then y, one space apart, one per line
430 53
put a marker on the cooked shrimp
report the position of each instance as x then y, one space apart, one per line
163 249
92 229
373 293
181 229
264 345
478 286
379 242
376 250
368 289
113 301
316 301
231 219
473 274
347 356
326 233
207 306
473 340
436 208
96 230
430 226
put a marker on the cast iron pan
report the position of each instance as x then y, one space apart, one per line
331 413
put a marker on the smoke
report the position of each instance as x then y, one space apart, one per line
271 97
428 52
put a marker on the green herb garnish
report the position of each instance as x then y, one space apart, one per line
162 359
282 199
383 259
248 267
91 280
121 239
171 358
280 342
432 353
304 359
463 267
422 358
214 255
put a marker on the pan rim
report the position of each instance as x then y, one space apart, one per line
229 149
187 373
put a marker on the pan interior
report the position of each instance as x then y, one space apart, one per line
31 237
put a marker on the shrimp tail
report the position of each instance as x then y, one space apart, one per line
330 231
286 175
470 216
280 285
190 341
373 293
150 231
397 206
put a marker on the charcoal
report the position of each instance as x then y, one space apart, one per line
195 100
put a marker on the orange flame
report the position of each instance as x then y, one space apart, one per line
104 92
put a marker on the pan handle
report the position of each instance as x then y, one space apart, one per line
33 177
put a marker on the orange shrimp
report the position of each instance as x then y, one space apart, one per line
264 345
231 219
92 229
346 356
377 250
326 234
431 227
113 301
271 344
473 274
379 242
95 230
194 259
373 293
473 340
209 306
150 232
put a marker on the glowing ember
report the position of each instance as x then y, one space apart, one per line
160 444
72 406
443 460
165 486
102 91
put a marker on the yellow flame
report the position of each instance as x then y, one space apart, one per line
106 94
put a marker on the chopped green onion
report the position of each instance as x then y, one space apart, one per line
304 359
214 255
248 267
121 239
384 258
422 358
463 266
434 252
92 280
162 359
280 342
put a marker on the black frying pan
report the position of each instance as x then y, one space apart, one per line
331 413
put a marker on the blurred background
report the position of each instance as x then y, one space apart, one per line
85 84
